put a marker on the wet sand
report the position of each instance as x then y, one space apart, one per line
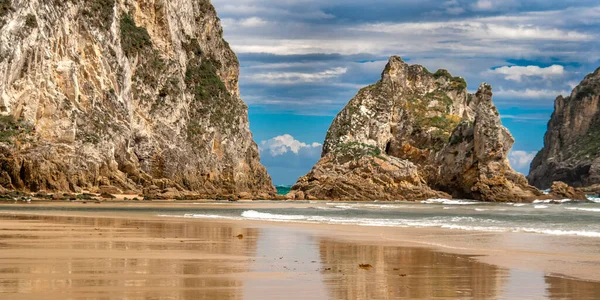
67 255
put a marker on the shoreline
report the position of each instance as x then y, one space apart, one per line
562 256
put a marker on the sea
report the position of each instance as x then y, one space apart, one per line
283 189
558 218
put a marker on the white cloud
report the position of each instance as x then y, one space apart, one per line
530 93
521 159
478 28
296 77
244 23
282 144
516 73
483 5
493 5
253 22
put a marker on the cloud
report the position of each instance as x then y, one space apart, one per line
515 73
483 5
286 143
245 22
296 77
521 159
493 5
530 93
478 29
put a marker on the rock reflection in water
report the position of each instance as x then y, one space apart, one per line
407 273
75 257
567 289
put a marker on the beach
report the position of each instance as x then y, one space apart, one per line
149 251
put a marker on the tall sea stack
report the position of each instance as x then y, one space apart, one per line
416 135
126 94
571 150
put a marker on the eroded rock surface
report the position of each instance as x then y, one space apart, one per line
128 94
571 150
416 135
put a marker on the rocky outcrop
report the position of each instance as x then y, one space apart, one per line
416 135
361 172
473 164
129 94
571 150
561 189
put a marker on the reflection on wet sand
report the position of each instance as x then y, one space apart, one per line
567 289
412 273
60 257
74 257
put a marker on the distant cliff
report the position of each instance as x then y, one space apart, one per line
571 150
415 135
127 94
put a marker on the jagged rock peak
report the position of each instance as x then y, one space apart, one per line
132 94
571 150
416 134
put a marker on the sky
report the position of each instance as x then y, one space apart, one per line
303 60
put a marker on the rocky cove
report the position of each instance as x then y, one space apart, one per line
141 98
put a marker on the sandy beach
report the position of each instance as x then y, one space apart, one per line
106 252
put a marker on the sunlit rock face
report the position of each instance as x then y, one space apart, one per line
139 95
571 150
416 135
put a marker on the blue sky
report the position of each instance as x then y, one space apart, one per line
303 60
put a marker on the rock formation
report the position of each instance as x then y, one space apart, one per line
561 189
571 150
416 135
135 95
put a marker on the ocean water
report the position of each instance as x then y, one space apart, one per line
283 189
559 218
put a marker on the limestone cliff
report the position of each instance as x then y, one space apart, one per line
138 95
415 135
571 150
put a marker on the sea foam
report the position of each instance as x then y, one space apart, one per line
450 202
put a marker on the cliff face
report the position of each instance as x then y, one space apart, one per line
416 135
126 93
571 150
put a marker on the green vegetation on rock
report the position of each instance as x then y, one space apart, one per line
30 21
100 12
585 92
212 100
588 145
5 8
456 82
356 150
133 38
11 128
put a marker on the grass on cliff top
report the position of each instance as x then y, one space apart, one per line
133 38
456 82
